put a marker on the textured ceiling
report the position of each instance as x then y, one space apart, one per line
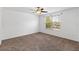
30 9
55 9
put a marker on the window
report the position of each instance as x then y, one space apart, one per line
56 22
53 22
49 22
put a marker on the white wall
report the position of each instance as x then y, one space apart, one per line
69 26
17 23
77 23
1 34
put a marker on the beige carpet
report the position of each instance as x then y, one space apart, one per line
39 42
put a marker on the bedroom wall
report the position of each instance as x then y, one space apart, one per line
77 23
1 23
17 23
69 25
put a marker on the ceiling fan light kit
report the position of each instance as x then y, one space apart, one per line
38 12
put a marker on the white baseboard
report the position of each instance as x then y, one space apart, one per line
14 36
62 37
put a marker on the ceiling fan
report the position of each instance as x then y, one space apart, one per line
40 10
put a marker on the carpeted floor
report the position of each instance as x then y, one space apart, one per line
39 42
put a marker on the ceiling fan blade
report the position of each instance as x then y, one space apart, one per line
44 11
